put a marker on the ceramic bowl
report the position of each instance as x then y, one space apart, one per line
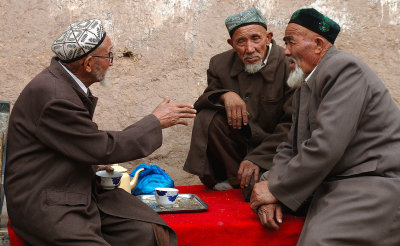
166 197
108 180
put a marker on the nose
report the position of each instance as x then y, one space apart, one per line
250 48
287 52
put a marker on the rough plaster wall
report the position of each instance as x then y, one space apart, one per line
167 46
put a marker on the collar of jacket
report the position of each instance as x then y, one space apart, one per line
58 71
312 80
268 71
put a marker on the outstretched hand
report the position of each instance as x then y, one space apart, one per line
246 169
171 114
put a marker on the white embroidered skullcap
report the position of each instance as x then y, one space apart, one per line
78 40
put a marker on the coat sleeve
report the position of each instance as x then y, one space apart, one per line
343 93
264 153
68 129
210 97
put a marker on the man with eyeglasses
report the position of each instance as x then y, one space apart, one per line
54 148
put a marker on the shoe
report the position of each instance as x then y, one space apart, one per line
224 185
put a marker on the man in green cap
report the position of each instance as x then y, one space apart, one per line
245 112
343 147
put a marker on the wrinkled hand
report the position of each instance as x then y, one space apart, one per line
261 196
270 215
171 114
246 169
105 167
235 108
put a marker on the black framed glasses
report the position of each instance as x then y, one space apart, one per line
110 57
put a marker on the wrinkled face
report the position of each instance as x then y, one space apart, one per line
250 43
300 46
101 64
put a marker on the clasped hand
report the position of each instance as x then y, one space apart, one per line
171 114
235 108
266 206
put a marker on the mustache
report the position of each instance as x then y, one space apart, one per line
255 54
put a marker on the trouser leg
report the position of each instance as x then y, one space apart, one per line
225 150
127 232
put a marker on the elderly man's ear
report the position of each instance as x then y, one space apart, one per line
88 64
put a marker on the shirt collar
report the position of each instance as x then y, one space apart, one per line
309 76
83 87
269 52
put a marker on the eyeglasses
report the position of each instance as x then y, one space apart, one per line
110 57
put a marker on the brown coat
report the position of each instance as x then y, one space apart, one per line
53 149
346 147
268 100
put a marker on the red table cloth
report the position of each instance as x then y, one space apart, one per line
228 221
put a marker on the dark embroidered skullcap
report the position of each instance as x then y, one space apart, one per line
78 40
316 22
247 17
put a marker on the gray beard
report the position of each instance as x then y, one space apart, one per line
253 68
102 78
296 77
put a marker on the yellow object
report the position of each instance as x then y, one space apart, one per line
126 183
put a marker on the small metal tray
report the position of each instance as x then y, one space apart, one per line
185 203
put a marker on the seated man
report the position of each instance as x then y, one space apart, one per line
343 147
245 111
54 148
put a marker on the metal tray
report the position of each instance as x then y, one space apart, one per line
185 203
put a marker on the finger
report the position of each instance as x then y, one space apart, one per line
263 218
181 122
166 100
229 115
279 214
240 173
184 105
271 222
187 115
245 115
238 113
256 175
186 110
109 169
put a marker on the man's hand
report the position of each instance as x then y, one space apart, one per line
235 108
261 196
105 167
171 114
246 169
270 215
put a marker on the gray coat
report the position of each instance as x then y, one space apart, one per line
53 149
344 145
268 100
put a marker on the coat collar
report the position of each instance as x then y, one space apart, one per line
312 80
58 71
268 71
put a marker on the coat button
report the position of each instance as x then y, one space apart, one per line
247 96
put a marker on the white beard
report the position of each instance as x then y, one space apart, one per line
102 78
296 77
253 68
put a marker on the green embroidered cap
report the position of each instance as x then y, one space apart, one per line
316 22
247 17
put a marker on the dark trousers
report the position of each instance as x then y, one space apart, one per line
225 151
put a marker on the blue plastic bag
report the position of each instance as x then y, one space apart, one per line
150 178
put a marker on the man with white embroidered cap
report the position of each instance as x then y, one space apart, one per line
343 147
54 149
245 111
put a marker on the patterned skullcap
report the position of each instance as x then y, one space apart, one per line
78 40
247 17
316 22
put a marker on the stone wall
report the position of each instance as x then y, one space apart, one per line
163 47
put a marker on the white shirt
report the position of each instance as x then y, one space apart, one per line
83 87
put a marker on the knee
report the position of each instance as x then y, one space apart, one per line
218 124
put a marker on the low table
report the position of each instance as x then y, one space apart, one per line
228 221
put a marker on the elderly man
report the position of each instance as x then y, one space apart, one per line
245 111
343 147
54 148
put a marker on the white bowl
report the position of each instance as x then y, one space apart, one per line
166 197
108 180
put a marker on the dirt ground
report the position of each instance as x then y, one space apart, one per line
163 48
